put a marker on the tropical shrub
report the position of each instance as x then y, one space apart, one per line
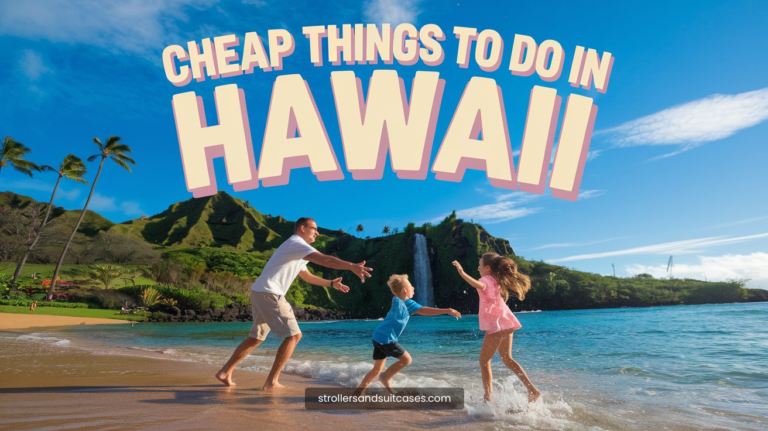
196 299
106 274
150 296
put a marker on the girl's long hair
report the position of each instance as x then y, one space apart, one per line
504 270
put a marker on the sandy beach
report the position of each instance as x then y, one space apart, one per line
50 386
11 321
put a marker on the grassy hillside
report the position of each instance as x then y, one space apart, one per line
209 251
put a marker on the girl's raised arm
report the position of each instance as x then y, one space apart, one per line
472 282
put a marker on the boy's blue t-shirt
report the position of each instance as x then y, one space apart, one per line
390 329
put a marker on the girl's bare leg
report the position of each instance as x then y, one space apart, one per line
378 365
403 361
505 350
490 345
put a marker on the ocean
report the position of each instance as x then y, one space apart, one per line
681 367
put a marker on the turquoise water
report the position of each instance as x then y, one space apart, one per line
635 368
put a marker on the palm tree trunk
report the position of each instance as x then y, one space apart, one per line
37 237
74 231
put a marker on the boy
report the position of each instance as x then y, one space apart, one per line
386 334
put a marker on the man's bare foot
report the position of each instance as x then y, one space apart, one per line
269 387
385 382
533 395
487 397
358 392
225 378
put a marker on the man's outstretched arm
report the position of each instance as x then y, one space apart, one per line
359 269
318 281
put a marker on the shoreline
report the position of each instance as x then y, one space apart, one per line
48 384
18 321
157 372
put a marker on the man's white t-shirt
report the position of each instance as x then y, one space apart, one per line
284 266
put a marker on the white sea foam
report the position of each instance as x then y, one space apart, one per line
510 399
41 337
341 373
510 405
162 351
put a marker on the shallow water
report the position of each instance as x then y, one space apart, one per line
681 367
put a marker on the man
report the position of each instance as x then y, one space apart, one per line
270 309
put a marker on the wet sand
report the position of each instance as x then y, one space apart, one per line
46 386
24 321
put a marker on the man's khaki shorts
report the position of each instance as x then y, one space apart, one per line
272 312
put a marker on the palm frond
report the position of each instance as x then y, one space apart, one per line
112 141
23 170
79 180
122 148
12 147
98 142
74 169
125 158
26 164
94 157
121 163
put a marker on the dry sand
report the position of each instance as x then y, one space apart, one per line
46 386
24 321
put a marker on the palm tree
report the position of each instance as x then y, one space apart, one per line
71 168
360 229
114 151
107 273
12 154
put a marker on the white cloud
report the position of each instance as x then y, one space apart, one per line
68 195
574 244
137 26
739 222
31 64
27 185
688 246
391 11
131 208
40 186
715 268
101 203
496 212
694 123
518 196
588 194
592 155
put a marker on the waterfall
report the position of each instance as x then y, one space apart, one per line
422 273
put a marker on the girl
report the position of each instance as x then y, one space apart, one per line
499 278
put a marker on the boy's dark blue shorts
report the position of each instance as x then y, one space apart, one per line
381 351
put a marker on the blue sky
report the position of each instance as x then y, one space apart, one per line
676 163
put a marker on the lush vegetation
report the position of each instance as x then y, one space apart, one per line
205 253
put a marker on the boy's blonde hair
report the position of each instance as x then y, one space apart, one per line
396 283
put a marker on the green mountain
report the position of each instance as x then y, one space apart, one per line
63 219
221 243
214 221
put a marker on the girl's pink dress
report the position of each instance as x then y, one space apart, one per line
494 313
